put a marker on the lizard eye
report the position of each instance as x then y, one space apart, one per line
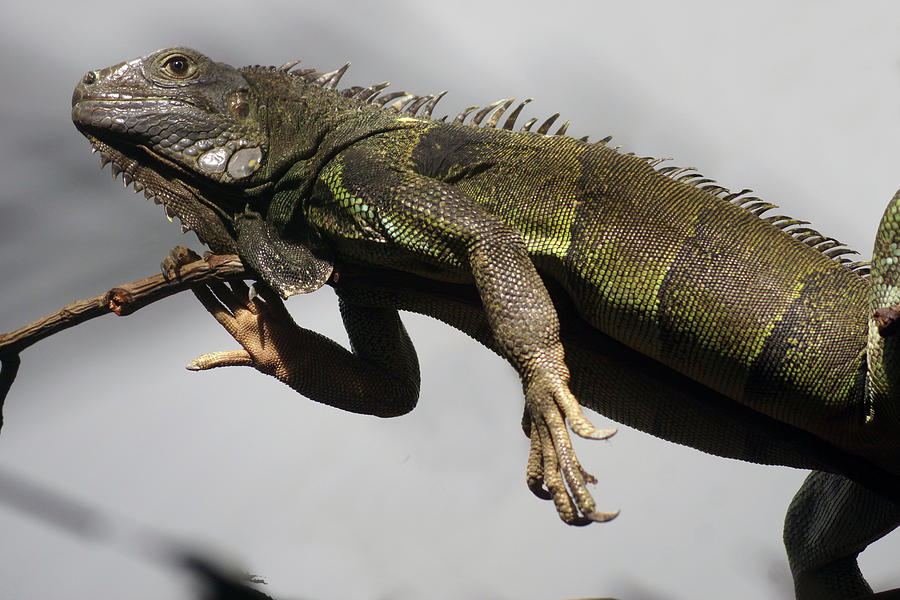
177 65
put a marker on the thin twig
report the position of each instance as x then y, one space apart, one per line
121 300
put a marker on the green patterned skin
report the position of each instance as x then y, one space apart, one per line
658 299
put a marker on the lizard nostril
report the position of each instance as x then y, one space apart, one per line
89 78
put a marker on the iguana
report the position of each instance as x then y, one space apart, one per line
647 292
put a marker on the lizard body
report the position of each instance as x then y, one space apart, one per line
658 298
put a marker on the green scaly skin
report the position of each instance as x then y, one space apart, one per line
656 298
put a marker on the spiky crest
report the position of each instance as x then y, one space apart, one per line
488 117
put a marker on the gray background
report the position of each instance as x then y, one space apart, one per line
799 101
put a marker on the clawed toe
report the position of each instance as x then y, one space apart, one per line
553 469
177 258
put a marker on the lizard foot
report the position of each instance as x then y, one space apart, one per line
553 469
177 258
260 323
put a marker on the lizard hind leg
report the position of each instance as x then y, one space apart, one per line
830 521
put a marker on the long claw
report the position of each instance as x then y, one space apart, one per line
602 517
578 423
596 434
534 473
553 467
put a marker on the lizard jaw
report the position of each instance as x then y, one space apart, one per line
178 199
119 163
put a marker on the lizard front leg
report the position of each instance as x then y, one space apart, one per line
526 327
416 220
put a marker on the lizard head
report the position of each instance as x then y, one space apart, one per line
184 130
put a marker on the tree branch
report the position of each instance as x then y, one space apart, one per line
121 300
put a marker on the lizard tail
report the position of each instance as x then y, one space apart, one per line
883 348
